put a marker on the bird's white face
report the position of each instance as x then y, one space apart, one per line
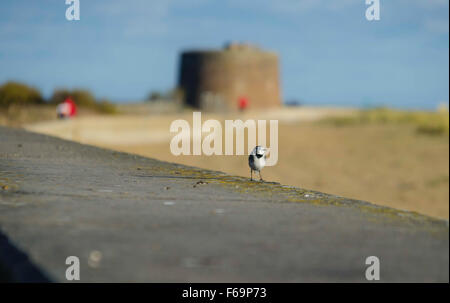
259 150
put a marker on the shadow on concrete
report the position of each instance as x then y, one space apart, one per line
15 266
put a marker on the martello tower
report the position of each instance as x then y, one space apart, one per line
218 80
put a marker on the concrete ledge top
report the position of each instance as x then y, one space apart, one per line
135 219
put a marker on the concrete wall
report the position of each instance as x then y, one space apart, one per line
156 221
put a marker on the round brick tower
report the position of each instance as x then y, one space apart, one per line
237 77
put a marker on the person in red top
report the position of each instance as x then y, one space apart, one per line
66 109
72 106
242 103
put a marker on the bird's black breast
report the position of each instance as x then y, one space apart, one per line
258 156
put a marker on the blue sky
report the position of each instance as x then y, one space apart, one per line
330 54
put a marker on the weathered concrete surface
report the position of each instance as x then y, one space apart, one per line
151 222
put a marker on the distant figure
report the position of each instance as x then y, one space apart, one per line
66 109
242 103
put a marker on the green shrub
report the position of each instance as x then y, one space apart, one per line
106 107
175 94
81 97
155 96
15 93
430 123
85 99
439 125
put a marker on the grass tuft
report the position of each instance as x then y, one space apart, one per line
426 122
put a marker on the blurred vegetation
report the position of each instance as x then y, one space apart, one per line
83 98
175 95
293 102
426 122
154 96
105 107
17 115
15 93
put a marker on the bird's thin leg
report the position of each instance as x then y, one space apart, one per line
260 177
251 174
